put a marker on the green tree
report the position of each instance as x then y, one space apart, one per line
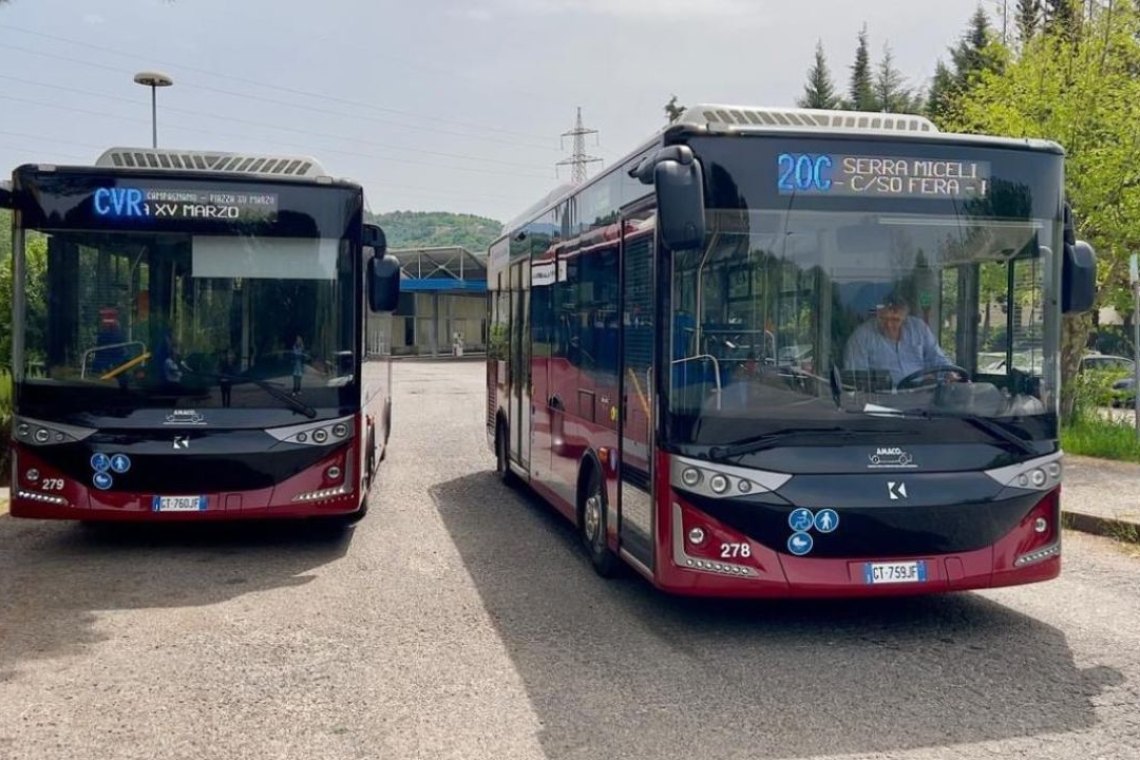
1063 18
976 52
862 88
1082 92
819 92
436 229
942 90
1028 19
889 87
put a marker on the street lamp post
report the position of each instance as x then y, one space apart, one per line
153 80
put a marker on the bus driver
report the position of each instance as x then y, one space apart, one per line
895 342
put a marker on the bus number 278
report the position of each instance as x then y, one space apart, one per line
728 551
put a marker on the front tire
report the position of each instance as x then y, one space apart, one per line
594 527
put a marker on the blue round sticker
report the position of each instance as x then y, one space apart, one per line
120 463
102 481
800 544
100 462
801 519
826 520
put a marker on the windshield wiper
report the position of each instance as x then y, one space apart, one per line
292 401
994 429
761 442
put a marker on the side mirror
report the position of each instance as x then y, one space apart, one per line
1078 278
680 184
383 283
373 237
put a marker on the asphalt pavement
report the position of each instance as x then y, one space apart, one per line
461 619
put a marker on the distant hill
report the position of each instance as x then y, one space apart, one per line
430 229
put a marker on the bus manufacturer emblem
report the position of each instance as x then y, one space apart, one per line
890 456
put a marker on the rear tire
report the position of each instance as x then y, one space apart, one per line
594 527
502 457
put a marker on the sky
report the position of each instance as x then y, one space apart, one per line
448 105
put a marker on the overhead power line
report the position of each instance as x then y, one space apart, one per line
262 99
272 86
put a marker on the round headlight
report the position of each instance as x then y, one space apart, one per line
1038 477
23 430
1023 480
1054 470
696 536
745 486
42 436
320 435
340 430
719 484
1040 525
690 476
32 475
333 473
302 437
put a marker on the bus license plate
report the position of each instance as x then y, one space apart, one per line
179 504
895 572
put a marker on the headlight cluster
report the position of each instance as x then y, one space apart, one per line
37 433
689 476
317 434
1039 478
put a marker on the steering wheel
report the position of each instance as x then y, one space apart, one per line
908 381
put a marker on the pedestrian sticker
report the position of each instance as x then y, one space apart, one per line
826 520
120 463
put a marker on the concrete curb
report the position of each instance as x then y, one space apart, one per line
1108 527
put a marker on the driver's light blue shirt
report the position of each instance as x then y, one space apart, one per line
916 349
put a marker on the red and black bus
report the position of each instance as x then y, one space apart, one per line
778 352
196 335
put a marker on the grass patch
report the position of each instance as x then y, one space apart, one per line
1094 436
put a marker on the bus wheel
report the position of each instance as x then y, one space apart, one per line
502 457
354 517
593 526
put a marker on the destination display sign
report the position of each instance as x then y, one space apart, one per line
142 203
881 176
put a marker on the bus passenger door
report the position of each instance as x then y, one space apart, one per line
520 364
636 513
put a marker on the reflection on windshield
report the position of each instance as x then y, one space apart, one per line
813 315
212 321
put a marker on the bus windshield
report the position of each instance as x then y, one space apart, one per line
857 315
127 320
146 292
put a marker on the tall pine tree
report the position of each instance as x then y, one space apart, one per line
941 96
1028 19
889 88
862 91
819 92
973 54
1063 18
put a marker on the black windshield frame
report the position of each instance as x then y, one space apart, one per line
63 201
741 174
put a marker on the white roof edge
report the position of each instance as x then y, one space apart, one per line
257 164
713 116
